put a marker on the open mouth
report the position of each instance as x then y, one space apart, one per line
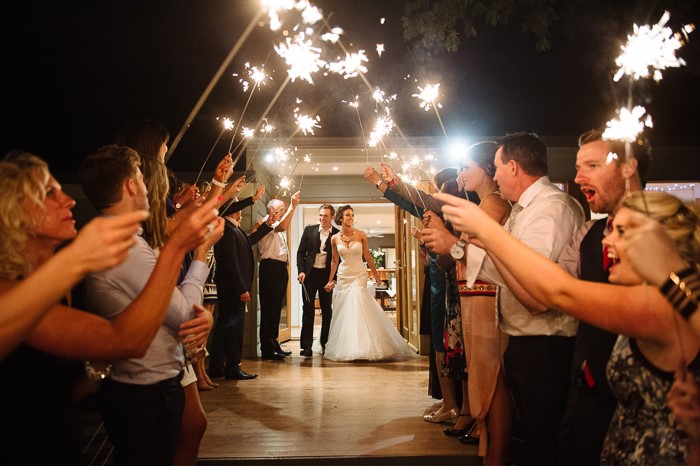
589 193
614 258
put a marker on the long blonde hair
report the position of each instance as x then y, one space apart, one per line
679 219
22 194
155 177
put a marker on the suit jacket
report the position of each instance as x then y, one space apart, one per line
310 245
235 263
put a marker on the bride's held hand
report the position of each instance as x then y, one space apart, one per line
329 286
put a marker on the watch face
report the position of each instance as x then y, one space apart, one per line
457 251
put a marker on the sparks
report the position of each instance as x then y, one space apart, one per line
228 123
303 59
351 66
650 50
382 127
332 36
428 95
309 13
628 125
306 123
273 8
307 158
380 49
247 132
285 182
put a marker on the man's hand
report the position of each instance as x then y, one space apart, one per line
194 332
372 175
259 193
296 197
245 297
387 173
238 185
301 277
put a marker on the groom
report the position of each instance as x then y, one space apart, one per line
314 263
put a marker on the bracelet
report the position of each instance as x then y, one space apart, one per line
681 290
392 183
215 182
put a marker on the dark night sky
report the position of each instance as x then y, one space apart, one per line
73 72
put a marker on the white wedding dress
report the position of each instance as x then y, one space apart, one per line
359 328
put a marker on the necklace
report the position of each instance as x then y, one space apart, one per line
347 239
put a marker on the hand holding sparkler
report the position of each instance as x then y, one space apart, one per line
185 195
387 173
259 193
684 401
436 236
373 177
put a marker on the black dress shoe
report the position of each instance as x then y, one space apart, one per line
283 352
273 356
452 432
307 353
241 375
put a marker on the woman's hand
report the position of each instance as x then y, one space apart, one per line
192 230
329 286
222 169
649 249
185 195
684 401
464 216
259 193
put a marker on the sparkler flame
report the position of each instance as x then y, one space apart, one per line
628 125
247 132
382 127
332 36
428 95
306 123
351 66
302 58
228 123
380 49
650 50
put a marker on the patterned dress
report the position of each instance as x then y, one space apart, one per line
642 430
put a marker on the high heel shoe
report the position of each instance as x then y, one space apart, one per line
468 438
445 415
452 432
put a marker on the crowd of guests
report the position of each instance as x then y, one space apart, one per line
560 366
564 335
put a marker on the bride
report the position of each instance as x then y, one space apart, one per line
359 329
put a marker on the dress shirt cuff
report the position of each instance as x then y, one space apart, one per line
475 259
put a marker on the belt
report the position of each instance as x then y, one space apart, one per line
273 260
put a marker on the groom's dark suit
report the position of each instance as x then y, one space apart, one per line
235 266
315 280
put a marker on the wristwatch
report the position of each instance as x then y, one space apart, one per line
457 250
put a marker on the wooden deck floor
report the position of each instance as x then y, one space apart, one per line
313 408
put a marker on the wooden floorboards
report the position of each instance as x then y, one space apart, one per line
307 411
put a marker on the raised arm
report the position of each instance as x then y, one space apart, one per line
103 243
75 334
287 217
635 311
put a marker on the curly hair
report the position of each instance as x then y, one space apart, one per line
339 213
679 219
22 190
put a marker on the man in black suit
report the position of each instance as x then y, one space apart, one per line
314 264
234 279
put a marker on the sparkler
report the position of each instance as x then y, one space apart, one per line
227 125
258 76
650 50
428 96
351 66
305 123
628 125
380 49
302 57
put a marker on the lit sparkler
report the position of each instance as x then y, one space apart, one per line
380 49
273 8
332 36
428 96
306 123
382 127
351 66
650 50
628 125
303 59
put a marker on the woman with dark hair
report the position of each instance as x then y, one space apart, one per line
359 329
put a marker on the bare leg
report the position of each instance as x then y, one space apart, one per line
500 420
194 423
449 400
464 417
